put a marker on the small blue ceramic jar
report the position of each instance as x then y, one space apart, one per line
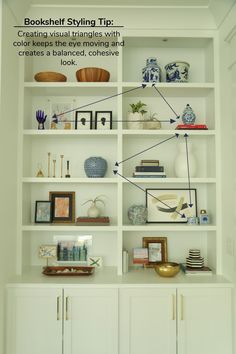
95 167
152 71
203 218
177 71
188 116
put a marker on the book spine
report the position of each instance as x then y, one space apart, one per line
149 168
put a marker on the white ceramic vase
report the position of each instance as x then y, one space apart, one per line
180 165
93 211
135 120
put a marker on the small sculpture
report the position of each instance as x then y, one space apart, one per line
40 172
93 210
41 118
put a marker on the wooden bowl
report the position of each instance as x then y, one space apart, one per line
49 76
168 269
92 75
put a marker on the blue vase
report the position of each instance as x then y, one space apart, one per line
188 116
177 71
95 167
151 72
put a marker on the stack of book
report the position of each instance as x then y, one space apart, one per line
149 169
195 264
87 221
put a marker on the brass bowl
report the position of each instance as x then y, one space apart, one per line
50 76
92 75
168 269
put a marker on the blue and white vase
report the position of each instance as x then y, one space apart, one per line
188 116
137 214
177 71
152 71
95 167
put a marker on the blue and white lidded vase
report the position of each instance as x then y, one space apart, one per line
152 71
188 116
95 167
177 71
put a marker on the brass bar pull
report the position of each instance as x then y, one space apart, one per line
182 307
173 307
67 308
58 308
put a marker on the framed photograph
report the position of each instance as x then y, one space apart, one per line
83 120
63 207
157 250
103 120
73 249
43 211
61 115
170 205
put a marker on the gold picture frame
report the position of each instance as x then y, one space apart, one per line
157 250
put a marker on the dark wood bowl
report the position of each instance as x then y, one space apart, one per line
92 75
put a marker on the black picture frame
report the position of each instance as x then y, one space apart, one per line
43 212
83 120
103 120
162 204
67 208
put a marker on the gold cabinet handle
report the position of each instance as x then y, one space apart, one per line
182 307
173 308
58 308
67 308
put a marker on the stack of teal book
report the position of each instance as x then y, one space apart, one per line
149 169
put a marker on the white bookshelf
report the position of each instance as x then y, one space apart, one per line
119 143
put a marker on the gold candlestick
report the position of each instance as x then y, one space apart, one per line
61 165
49 162
54 168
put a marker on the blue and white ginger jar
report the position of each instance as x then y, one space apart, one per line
137 214
188 116
95 167
152 71
177 71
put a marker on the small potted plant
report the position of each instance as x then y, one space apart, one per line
94 211
136 117
152 122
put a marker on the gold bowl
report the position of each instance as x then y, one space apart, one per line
168 269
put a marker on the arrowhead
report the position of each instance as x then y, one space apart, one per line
183 216
143 85
190 205
185 135
117 163
177 135
178 117
115 172
172 121
153 85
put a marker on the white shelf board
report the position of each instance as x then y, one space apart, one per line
170 180
67 227
69 180
72 132
162 132
170 227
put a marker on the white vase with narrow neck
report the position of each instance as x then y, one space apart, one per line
181 166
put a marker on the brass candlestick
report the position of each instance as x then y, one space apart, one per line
67 169
49 162
54 168
61 165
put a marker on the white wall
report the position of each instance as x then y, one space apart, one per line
8 158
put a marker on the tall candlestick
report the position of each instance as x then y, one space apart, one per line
62 165
54 168
68 167
49 162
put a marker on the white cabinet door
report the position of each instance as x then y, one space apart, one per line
91 321
147 321
204 321
34 321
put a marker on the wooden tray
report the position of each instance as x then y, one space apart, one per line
68 271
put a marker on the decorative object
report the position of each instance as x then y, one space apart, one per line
192 220
68 271
103 120
152 122
137 214
49 76
140 255
136 118
47 251
170 205
41 119
94 211
54 168
177 71
194 260
61 156
157 250
43 211
168 269
192 127
188 115
40 172
92 75
61 115
67 169
152 170
63 207
185 164
204 217
83 120
88 221
125 261
151 72
95 167
73 249
49 164
95 262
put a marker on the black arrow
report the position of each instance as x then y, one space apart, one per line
103 99
171 121
151 147
142 189
189 185
177 116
